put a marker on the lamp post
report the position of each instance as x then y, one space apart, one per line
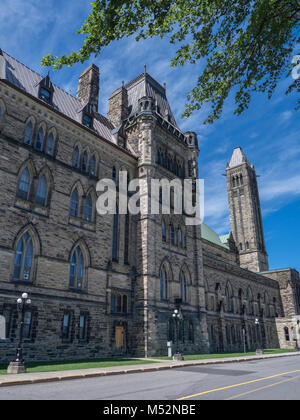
177 316
259 349
18 365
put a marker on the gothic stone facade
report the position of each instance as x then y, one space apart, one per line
105 285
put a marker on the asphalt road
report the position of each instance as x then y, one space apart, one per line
270 379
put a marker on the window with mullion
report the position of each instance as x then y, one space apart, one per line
24 185
183 287
23 258
74 209
88 208
76 269
39 143
84 163
28 133
50 145
42 189
163 284
93 166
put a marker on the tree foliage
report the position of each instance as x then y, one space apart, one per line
247 45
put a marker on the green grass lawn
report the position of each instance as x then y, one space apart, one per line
221 355
77 364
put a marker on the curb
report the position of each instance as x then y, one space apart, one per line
140 370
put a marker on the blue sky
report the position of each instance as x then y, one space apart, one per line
268 132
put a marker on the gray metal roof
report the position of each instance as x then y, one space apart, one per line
28 80
145 85
238 157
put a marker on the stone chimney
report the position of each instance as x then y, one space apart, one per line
88 87
118 106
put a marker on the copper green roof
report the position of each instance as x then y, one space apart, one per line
209 235
224 238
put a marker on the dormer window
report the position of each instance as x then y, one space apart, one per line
87 120
45 95
46 90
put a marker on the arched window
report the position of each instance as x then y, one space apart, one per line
75 160
180 238
241 180
88 208
76 269
28 133
115 235
172 234
93 166
163 283
41 193
183 287
74 203
164 231
39 143
23 258
50 145
84 163
24 185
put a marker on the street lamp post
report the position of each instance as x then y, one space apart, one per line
177 316
18 365
259 349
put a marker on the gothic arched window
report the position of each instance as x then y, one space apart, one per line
39 143
84 163
75 160
23 258
183 287
93 166
77 269
74 208
163 283
28 133
50 145
88 208
24 185
41 193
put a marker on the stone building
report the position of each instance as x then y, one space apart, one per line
106 284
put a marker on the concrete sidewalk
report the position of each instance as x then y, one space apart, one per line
32 378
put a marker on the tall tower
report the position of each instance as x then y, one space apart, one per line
245 212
